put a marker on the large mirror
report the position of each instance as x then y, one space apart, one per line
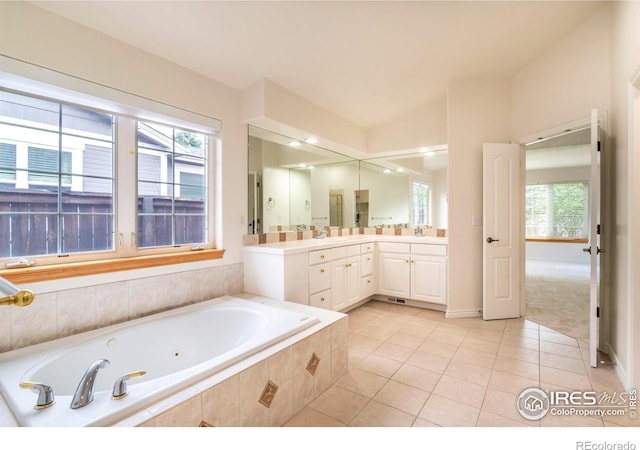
294 185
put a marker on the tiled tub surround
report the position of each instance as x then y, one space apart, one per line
265 389
67 312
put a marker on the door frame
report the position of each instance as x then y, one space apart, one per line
633 262
604 328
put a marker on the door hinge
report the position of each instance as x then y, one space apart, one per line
599 146
258 184
598 229
597 311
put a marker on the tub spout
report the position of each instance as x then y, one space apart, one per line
84 391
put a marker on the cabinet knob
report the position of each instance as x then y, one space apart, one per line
368 259
321 256
368 281
321 299
321 270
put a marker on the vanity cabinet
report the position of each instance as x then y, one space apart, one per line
342 274
413 271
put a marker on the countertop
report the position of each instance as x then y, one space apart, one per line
303 245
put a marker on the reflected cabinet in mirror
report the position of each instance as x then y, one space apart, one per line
295 185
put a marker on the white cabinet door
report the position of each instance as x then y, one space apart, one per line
345 282
429 279
394 274
352 280
338 293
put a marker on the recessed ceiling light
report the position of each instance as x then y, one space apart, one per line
295 144
387 170
400 169
311 167
311 140
303 165
423 150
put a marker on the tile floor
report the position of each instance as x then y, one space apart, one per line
413 367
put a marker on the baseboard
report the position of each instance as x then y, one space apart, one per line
620 370
462 313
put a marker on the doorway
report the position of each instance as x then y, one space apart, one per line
558 174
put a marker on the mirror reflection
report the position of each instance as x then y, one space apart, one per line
294 185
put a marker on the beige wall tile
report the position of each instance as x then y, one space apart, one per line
186 414
233 278
339 363
281 366
221 402
76 311
112 304
35 323
302 390
212 280
339 333
281 409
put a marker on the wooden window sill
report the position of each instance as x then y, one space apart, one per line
564 241
35 274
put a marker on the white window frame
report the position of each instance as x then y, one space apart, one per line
25 79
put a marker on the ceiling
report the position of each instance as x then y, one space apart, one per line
368 62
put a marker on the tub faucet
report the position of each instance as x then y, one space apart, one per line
84 391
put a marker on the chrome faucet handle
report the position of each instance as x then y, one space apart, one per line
120 386
44 391
84 392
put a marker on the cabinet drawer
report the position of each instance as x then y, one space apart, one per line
367 264
366 248
353 250
368 287
429 249
339 252
319 277
321 299
319 256
394 247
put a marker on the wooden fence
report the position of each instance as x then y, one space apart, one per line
30 222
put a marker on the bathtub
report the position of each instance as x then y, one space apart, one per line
174 348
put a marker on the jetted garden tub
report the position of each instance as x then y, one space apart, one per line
175 349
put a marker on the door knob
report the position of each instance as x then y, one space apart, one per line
490 240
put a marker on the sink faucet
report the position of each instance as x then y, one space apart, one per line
84 391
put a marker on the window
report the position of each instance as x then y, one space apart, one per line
421 203
171 186
50 204
557 210
66 192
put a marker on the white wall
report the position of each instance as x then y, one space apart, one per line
440 199
478 112
565 82
625 286
424 127
32 35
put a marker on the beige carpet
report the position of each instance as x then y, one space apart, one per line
558 297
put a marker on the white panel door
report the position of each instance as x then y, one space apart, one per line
502 183
594 248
